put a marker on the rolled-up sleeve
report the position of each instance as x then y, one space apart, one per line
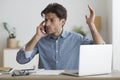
84 40
21 57
25 56
87 41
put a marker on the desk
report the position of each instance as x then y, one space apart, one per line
115 75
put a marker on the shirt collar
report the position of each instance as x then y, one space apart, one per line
63 35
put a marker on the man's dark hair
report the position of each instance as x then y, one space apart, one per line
56 8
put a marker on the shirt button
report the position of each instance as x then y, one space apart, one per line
56 61
56 51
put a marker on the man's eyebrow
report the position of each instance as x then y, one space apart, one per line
49 18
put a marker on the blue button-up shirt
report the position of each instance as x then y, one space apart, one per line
62 53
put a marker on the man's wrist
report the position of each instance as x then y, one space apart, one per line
91 24
37 37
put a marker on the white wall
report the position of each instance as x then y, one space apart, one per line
25 16
116 32
109 20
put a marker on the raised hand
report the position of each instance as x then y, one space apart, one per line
40 30
39 34
90 19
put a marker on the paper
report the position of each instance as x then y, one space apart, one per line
5 69
47 72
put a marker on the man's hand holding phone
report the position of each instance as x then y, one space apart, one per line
40 30
39 34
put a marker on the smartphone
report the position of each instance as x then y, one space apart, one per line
45 28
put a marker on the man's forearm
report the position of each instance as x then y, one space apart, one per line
31 44
95 34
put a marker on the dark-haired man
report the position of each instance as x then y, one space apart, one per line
58 49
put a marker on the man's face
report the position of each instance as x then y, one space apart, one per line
53 24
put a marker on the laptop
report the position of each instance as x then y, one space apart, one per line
93 60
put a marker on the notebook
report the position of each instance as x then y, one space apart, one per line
93 60
5 70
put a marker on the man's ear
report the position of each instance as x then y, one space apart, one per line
63 21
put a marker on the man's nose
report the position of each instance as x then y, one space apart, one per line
47 23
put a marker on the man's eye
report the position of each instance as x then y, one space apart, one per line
51 20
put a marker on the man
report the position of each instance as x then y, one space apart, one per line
57 49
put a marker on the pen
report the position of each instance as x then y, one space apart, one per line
27 69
